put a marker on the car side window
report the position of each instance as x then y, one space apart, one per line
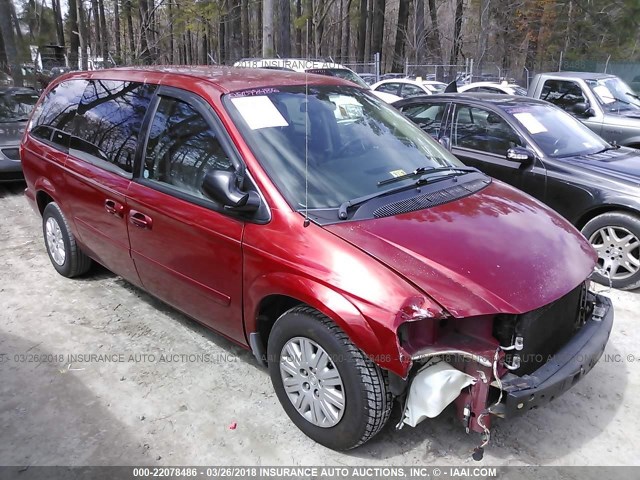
479 129
388 88
563 93
108 121
409 91
182 148
53 116
427 116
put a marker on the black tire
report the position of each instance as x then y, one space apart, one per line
368 400
75 261
618 221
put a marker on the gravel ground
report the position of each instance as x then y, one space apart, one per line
140 410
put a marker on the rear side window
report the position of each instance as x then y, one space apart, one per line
52 118
108 121
427 116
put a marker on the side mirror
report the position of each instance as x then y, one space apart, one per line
583 109
221 186
520 155
445 142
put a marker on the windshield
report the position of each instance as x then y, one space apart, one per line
341 73
518 90
354 141
435 87
614 95
16 106
557 133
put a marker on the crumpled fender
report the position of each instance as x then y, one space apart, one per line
377 340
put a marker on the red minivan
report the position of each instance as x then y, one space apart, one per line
303 218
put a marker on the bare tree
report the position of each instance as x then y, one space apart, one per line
267 28
10 47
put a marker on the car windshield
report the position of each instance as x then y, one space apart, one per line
435 87
614 95
557 133
518 90
341 73
16 106
352 142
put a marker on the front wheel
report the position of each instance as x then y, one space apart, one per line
616 238
326 385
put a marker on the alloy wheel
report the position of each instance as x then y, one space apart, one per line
618 252
55 242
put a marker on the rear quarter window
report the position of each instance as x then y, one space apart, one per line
52 117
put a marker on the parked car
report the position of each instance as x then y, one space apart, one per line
493 87
407 88
304 218
635 84
369 78
318 67
547 153
603 102
16 104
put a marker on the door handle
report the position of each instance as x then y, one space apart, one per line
140 220
113 207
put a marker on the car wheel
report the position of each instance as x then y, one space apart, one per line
616 238
327 386
64 252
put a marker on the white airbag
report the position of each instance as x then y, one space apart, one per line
434 387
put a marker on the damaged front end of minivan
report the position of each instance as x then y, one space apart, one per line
499 365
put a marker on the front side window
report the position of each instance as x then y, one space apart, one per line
182 148
563 93
342 140
428 116
556 133
483 130
108 122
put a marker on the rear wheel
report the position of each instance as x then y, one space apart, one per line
64 253
326 385
616 238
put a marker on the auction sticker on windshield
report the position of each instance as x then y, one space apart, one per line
530 122
259 112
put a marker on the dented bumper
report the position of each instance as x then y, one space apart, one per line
564 369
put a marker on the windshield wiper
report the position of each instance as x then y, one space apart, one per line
421 171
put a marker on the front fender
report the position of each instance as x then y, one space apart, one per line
380 345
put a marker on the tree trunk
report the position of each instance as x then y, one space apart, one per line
346 31
145 53
83 35
74 40
284 30
362 31
116 14
171 43
96 48
244 14
298 29
104 45
419 33
129 20
398 51
6 29
57 16
434 36
377 36
236 33
267 28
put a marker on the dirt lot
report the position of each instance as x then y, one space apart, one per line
139 410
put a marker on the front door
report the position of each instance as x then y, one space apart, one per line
481 138
188 252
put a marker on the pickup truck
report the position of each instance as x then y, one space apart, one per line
603 102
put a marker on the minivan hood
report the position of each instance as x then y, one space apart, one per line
496 251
